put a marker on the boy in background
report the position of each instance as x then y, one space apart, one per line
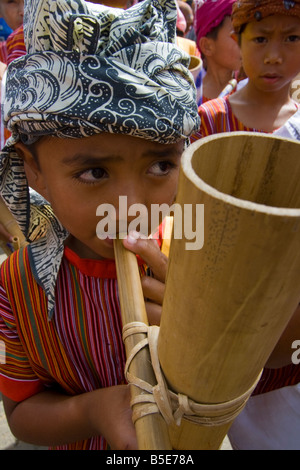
220 54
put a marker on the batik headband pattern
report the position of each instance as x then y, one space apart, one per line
92 70
246 11
89 69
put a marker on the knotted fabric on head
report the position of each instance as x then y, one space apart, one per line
210 14
89 69
246 11
94 69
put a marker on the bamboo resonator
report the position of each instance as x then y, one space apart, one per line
226 304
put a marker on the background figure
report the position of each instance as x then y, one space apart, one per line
5 30
13 47
87 146
187 11
12 12
220 53
188 45
269 37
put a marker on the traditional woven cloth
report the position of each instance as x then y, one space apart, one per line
100 70
246 11
90 69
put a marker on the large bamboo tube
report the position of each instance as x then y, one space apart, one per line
226 304
152 431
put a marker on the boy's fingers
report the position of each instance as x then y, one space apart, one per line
153 289
149 251
153 313
4 234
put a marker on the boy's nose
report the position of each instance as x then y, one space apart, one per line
130 196
133 192
273 57
273 60
129 210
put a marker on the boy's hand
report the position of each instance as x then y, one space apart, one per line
153 287
5 235
115 424
105 411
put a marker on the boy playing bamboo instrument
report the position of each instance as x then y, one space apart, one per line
99 108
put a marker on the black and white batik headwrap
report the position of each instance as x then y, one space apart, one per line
89 69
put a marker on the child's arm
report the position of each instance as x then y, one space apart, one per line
50 418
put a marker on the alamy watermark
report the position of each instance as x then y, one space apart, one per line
188 221
296 354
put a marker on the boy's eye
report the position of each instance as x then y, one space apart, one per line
293 38
92 175
260 39
161 168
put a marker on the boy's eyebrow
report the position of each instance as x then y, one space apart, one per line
85 159
170 152
288 29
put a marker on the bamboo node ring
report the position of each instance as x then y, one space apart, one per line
172 406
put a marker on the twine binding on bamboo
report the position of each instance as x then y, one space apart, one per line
159 399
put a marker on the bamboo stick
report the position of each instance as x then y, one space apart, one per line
10 224
152 431
227 304
165 249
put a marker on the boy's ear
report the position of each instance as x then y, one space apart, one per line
206 46
235 37
31 166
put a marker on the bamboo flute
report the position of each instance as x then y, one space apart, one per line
10 224
227 304
152 431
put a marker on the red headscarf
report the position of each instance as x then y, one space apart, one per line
246 11
209 15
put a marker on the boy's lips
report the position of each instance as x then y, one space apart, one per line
271 77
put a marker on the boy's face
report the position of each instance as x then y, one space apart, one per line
78 175
226 51
12 11
271 52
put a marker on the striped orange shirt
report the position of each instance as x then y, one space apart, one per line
80 349
13 47
217 117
